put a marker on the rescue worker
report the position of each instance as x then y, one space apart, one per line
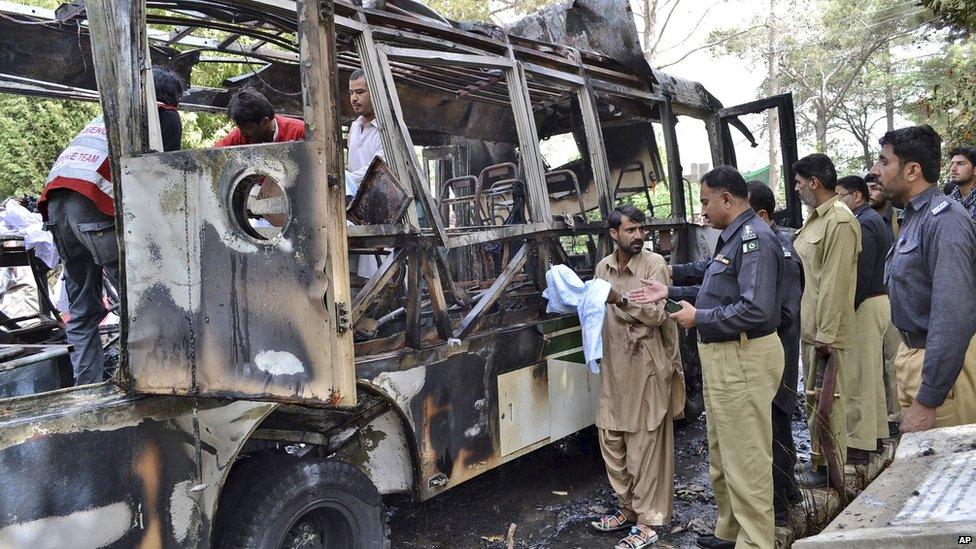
867 411
828 244
256 122
889 214
962 174
736 314
785 491
78 206
641 387
931 278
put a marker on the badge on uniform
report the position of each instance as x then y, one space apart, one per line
722 259
938 209
750 246
786 252
748 233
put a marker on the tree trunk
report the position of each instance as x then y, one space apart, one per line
772 88
650 21
888 92
820 125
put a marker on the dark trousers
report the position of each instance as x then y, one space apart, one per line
85 238
784 459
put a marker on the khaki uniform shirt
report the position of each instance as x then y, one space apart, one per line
829 244
641 377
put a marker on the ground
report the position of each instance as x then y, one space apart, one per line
552 494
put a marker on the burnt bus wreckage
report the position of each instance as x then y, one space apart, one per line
266 396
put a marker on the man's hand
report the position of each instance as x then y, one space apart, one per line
823 349
918 417
649 293
686 316
613 297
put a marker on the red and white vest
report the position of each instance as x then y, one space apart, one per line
83 167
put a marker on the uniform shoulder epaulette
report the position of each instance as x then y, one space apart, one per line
748 233
940 208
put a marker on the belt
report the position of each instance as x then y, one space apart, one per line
913 340
754 334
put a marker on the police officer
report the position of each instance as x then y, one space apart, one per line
828 244
931 277
737 311
785 491
867 411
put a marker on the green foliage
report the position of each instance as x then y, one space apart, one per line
960 14
35 131
949 104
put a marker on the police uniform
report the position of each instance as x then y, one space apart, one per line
890 216
867 410
828 244
738 311
931 278
784 451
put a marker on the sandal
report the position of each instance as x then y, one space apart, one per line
638 539
612 523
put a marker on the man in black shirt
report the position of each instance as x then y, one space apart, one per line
867 410
785 491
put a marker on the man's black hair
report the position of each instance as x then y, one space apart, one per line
249 106
817 165
965 150
357 74
631 212
854 183
728 179
761 197
169 86
919 144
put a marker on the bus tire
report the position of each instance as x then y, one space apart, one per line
314 502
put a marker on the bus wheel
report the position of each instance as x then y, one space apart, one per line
306 503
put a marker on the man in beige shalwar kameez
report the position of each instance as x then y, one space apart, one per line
642 387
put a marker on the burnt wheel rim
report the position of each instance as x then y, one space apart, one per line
320 525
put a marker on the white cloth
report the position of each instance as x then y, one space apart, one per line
566 294
365 144
16 220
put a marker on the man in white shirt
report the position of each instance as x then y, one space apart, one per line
365 143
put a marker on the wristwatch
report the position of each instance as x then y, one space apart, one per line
623 302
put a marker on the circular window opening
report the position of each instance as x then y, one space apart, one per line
259 206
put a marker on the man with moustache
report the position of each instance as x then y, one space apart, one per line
889 214
867 412
931 278
641 387
828 244
962 174
736 313
785 491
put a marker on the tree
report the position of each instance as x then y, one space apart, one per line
958 14
34 132
820 52
949 101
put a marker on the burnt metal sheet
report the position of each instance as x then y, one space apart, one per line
215 310
381 198
97 468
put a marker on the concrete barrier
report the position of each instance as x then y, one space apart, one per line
925 498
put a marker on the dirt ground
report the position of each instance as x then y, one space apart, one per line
552 494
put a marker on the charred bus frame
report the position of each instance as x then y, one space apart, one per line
241 347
